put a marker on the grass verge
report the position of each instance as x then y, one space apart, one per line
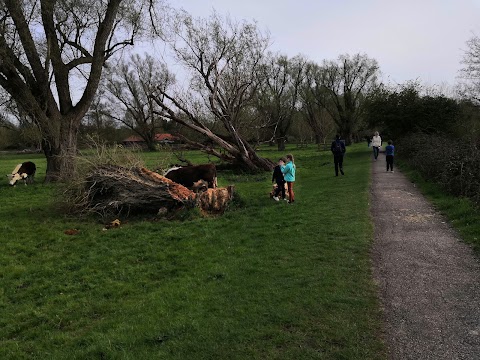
267 280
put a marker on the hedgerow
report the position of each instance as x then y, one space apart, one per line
452 162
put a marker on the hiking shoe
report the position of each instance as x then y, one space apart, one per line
285 199
276 198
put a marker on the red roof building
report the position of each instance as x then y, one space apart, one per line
135 140
164 137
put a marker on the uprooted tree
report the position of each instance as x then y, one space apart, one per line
223 59
45 44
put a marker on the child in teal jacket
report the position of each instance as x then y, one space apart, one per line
289 176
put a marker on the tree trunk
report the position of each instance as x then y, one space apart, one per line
261 164
247 160
61 152
345 132
347 136
151 146
281 144
318 139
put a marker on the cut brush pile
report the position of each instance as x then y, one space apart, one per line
112 189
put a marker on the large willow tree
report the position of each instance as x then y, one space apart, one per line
340 87
52 53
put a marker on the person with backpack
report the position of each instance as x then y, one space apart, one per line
338 150
289 175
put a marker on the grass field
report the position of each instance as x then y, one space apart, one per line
267 280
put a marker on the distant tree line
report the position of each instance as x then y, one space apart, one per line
435 134
238 94
64 77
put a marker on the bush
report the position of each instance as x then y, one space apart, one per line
452 163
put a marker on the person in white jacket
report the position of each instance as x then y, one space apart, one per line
376 144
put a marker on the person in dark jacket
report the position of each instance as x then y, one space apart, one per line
390 152
338 150
277 178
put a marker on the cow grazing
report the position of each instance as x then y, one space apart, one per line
189 175
24 171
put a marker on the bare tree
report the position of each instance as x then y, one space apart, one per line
12 117
51 57
222 58
131 87
277 97
341 86
313 111
469 86
97 123
8 110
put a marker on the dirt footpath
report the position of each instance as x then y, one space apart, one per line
429 281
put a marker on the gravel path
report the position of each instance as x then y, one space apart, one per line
429 281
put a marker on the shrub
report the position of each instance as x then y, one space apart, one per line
451 162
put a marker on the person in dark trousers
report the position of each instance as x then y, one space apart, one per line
277 178
338 151
390 152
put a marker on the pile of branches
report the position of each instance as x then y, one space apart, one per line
112 190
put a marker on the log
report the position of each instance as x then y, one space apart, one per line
215 201
113 189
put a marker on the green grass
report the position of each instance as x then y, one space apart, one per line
461 212
265 281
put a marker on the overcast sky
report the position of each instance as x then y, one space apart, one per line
410 39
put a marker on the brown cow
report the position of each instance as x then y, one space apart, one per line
189 175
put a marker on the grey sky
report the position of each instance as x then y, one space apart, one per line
409 38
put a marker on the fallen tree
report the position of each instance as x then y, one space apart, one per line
222 60
112 190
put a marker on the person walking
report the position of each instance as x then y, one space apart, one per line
390 152
277 177
369 141
338 150
289 176
376 144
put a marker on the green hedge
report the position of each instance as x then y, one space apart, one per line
452 163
